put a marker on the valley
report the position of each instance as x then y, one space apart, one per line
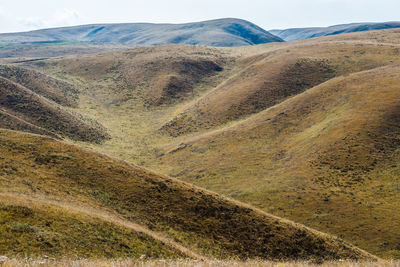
307 131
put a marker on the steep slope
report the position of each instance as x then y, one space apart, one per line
270 77
221 32
305 33
27 108
34 167
327 157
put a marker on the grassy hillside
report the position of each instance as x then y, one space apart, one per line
33 229
194 263
305 130
270 77
9 121
27 107
327 157
61 92
43 50
41 170
143 77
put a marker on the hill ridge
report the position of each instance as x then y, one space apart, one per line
295 34
219 32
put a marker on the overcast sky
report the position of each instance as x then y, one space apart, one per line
22 15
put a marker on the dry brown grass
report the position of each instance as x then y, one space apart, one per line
190 263
320 157
149 76
36 226
25 105
61 92
205 223
308 163
270 77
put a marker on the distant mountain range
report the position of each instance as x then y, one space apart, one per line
306 33
226 32
220 32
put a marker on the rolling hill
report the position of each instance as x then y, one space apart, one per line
53 194
305 33
149 76
269 78
305 130
220 32
326 157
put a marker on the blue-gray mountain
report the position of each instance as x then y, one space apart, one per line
306 33
221 32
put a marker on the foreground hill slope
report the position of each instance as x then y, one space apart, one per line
305 33
34 228
221 32
38 169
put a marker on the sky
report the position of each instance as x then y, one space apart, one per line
24 15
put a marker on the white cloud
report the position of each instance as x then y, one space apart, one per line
20 15
65 17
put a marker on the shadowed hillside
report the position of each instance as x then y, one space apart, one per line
8 121
42 170
61 92
21 108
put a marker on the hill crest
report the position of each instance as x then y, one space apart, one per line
295 34
221 32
